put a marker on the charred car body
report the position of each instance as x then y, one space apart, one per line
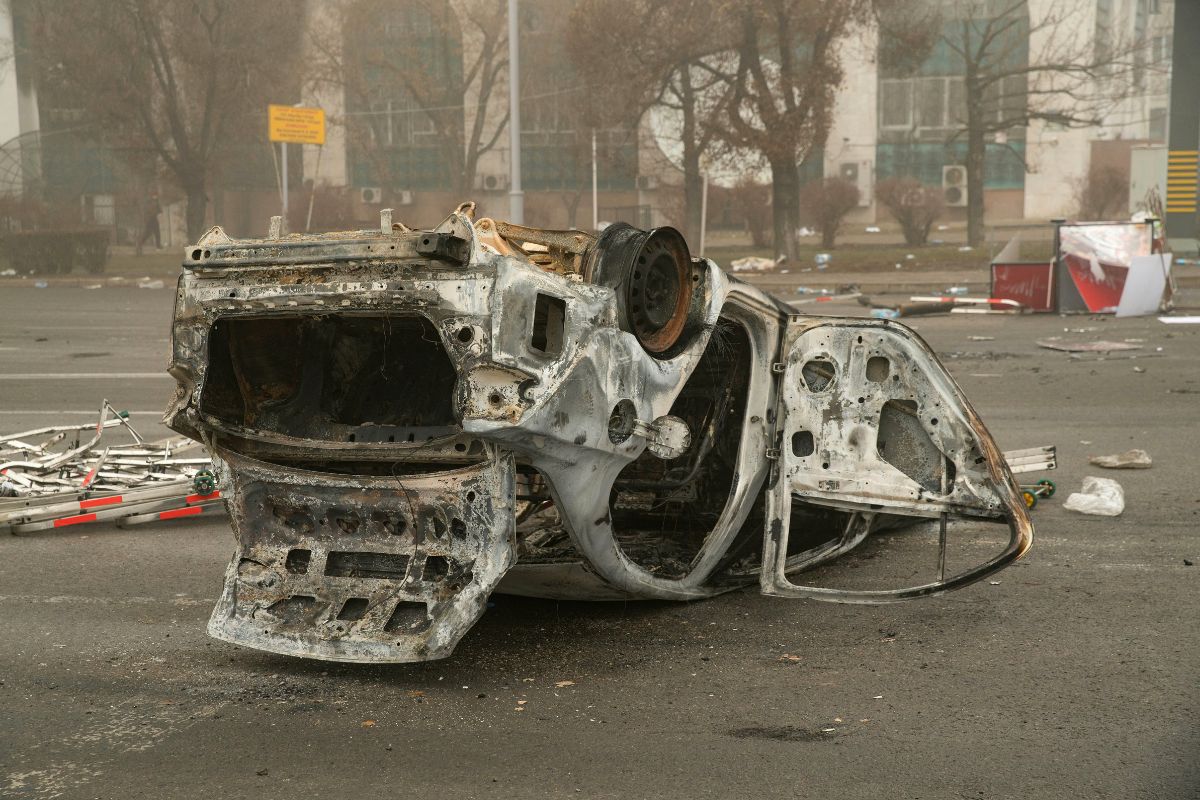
403 422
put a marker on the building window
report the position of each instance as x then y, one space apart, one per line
1103 25
1160 49
895 100
931 103
1158 124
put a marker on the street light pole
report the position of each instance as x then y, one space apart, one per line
595 195
283 147
516 198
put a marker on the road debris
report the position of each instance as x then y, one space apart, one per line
1032 459
44 488
752 264
1099 496
1180 320
1088 347
959 304
1133 459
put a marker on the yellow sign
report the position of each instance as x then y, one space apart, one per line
296 125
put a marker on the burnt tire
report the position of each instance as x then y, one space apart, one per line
654 279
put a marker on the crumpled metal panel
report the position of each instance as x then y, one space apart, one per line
363 569
871 422
852 461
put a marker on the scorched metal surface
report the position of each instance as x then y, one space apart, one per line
404 422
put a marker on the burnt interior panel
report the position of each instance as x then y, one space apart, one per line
662 510
549 316
353 609
297 609
818 374
809 526
408 617
332 377
803 445
297 561
904 443
388 566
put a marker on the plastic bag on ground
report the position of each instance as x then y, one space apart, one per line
752 264
1099 496
1134 459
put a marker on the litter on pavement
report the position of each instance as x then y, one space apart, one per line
1099 496
974 305
752 264
1134 459
1033 459
1089 347
1180 320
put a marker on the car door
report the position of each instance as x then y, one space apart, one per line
869 423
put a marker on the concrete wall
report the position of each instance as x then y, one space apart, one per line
852 136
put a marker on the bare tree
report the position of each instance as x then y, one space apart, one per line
786 73
180 77
428 68
1059 61
642 54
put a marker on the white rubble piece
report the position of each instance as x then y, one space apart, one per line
1132 459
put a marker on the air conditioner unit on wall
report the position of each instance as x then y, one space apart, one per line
954 185
491 181
646 183
371 196
403 197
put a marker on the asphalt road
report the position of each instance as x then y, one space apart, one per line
1075 676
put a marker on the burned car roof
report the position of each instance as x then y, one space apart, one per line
403 422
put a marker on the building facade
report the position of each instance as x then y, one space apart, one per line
385 147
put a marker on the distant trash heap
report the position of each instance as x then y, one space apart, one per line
66 480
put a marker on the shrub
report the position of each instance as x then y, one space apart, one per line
1101 194
826 203
750 201
914 206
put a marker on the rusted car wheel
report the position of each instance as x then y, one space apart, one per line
651 272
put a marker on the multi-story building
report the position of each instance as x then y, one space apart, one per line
891 125
384 149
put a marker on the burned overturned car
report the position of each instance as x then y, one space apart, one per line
403 422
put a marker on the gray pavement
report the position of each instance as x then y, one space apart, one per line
1075 676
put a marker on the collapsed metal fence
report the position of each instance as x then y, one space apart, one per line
66 480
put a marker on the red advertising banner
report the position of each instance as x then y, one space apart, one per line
1099 284
1028 284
